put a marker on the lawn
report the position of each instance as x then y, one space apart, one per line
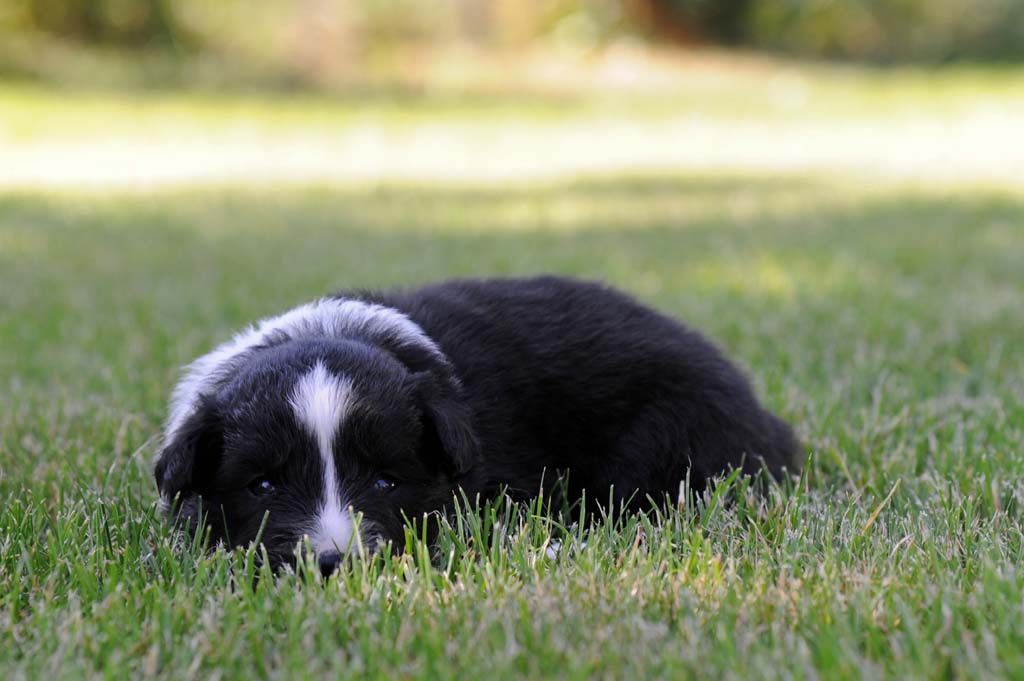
858 246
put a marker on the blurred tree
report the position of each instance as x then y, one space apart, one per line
890 30
688 20
116 22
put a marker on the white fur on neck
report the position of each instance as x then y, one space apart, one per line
324 318
321 401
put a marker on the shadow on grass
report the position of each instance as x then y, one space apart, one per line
801 278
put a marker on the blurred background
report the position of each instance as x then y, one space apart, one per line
151 92
805 71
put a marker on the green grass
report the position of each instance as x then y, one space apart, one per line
884 320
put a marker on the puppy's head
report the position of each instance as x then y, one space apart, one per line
325 443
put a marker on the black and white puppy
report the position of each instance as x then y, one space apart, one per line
383 405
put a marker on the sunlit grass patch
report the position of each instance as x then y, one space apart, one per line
937 127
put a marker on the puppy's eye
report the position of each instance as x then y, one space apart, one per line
385 484
261 487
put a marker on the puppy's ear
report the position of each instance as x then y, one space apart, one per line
192 454
448 435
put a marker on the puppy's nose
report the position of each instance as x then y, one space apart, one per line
329 561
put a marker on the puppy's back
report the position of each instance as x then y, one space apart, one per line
564 374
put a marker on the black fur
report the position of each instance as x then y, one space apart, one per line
539 376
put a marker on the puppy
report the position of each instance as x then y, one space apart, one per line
381 406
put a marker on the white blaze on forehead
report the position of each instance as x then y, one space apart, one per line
324 318
321 401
